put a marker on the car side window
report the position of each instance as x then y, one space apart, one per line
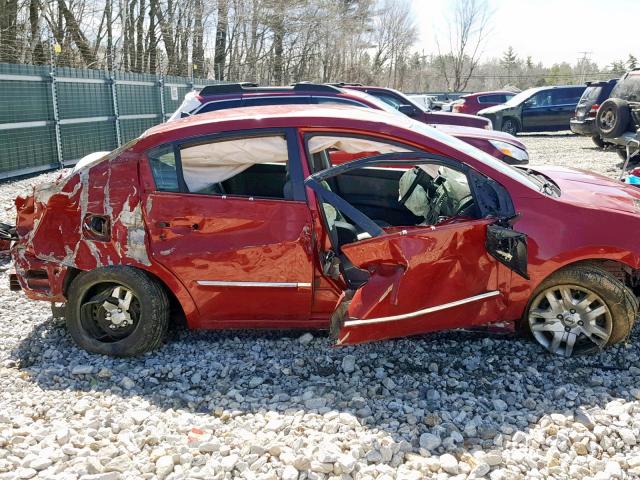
275 100
252 166
387 98
163 166
337 101
496 98
565 96
218 105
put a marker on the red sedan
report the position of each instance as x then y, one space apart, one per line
474 102
239 219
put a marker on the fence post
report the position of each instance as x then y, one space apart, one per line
54 101
162 107
114 99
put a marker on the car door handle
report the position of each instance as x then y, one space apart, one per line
163 224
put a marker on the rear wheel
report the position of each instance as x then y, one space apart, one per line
510 126
580 309
118 311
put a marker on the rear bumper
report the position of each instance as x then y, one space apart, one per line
583 127
38 279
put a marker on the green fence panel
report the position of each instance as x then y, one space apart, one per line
81 139
25 100
95 112
130 129
142 98
27 150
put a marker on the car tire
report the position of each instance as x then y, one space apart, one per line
613 118
598 141
119 311
593 310
510 125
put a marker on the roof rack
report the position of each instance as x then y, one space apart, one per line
246 87
345 84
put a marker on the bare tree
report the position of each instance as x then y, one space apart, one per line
467 32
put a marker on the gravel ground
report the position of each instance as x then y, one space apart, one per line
287 405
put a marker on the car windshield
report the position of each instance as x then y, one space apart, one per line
521 97
377 102
521 176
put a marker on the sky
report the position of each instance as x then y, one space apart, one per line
550 31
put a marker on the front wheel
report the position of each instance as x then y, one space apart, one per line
580 309
118 311
510 126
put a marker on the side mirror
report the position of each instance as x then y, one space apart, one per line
408 110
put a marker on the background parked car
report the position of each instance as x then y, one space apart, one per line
618 119
536 109
583 122
427 102
400 101
503 146
474 102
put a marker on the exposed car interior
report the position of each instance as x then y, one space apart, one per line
392 197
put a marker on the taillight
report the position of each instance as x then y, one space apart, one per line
594 110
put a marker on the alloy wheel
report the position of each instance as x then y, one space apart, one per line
568 319
112 314
608 119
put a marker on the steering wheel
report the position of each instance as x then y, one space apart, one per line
466 203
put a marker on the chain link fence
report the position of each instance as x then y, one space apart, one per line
51 117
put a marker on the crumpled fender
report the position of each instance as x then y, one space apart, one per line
53 235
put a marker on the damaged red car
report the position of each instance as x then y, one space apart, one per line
243 218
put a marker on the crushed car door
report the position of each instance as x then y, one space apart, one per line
422 278
427 279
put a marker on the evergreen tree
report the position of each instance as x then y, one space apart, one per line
509 61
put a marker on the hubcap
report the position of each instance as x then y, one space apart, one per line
568 319
111 314
608 119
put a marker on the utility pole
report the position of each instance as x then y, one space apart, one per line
583 61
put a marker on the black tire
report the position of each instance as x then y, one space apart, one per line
613 118
510 125
618 298
599 142
89 290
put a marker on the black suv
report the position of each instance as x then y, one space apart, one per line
584 119
618 119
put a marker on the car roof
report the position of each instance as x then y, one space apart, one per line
489 92
241 89
266 116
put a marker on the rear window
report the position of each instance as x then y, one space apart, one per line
628 89
591 95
